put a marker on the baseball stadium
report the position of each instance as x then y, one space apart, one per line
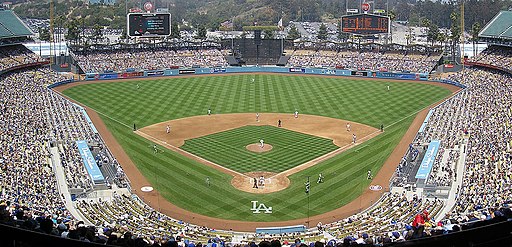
255 141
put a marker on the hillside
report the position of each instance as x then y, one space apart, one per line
210 13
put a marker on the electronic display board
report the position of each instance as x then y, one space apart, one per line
149 24
365 24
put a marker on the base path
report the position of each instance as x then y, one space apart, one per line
156 201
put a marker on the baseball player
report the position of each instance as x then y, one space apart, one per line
252 80
262 181
348 126
354 138
369 175
279 123
320 178
138 86
388 87
262 143
155 149
208 181
168 129
296 114
255 185
209 112
257 116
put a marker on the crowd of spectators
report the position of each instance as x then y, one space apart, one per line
377 61
148 59
33 118
15 55
499 56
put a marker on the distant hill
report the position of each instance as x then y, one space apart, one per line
210 13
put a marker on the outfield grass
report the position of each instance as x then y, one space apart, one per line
181 180
290 148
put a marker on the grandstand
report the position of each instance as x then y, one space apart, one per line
47 188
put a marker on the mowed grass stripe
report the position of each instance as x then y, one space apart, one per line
182 180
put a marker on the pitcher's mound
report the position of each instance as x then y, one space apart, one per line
258 149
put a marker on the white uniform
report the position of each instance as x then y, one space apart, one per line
209 112
296 114
262 144
257 117
168 129
348 126
354 138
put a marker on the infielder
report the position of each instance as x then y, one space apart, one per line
348 126
209 112
262 144
168 129
257 116
354 138
296 114
320 178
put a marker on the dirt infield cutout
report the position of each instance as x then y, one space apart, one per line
198 126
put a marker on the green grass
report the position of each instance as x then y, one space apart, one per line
182 180
289 148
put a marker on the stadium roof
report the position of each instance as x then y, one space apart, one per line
11 26
500 27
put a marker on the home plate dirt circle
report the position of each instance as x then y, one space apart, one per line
255 147
272 182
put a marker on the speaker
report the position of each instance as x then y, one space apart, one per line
257 37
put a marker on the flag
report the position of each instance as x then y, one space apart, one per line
280 23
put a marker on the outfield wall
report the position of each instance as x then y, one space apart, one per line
221 70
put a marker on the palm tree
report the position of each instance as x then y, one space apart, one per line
475 29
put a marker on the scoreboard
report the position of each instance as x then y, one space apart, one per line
149 25
365 24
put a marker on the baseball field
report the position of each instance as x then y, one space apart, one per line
185 180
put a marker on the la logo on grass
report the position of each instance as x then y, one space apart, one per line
257 210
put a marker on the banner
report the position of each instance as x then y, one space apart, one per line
187 71
155 73
90 163
297 70
428 160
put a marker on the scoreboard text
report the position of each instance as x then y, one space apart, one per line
149 25
365 24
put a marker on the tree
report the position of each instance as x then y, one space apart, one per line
322 32
44 34
392 17
433 34
269 34
201 32
97 33
426 24
455 32
175 30
73 34
343 37
475 29
294 33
